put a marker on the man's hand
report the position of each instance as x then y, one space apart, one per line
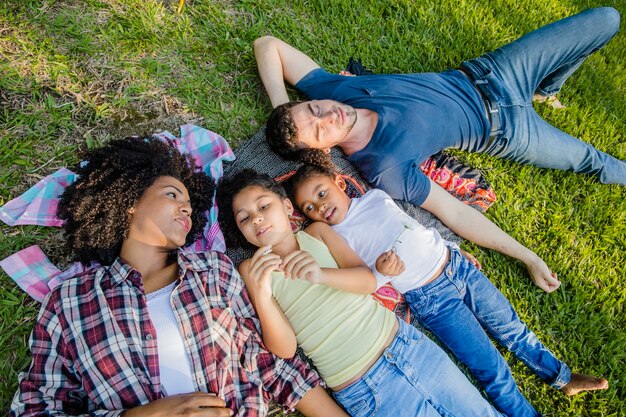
193 404
542 276
472 259
389 264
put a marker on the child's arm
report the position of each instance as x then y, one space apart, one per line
352 276
277 333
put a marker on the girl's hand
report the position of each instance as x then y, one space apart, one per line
301 265
472 259
389 264
262 264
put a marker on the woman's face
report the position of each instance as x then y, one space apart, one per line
162 216
262 216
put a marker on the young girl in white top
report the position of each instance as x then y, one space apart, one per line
444 289
375 364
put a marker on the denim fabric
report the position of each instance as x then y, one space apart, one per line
540 62
457 306
414 377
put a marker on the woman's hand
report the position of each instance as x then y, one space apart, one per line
301 265
261 266
389 264
198 404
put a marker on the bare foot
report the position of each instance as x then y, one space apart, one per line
580 382
551 101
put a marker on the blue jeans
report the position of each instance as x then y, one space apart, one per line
458 307
413 377
540 62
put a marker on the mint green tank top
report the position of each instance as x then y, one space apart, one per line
340 331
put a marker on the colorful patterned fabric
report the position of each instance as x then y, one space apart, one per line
38 205
33 272
95 349
465 183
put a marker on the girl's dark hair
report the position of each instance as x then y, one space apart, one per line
281 134
111 181
304 173
227 190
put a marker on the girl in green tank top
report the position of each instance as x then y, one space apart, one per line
307 288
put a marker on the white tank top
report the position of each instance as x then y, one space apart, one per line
174 364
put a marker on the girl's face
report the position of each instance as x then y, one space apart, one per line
262 216
161 217
323 199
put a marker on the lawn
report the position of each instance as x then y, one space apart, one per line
74 74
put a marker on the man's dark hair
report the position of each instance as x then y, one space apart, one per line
281 134
227 190
111 181
304 173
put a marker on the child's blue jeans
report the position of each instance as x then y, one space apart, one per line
460 307
414 377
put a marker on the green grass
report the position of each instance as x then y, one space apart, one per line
74 74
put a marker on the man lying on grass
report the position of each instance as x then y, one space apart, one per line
387 125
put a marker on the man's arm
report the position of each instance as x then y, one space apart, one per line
278 62
473 225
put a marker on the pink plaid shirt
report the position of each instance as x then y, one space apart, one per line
95 349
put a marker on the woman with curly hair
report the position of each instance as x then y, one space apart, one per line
155 330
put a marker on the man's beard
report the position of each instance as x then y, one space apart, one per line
349 114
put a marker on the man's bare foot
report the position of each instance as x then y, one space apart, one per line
580 382
551 101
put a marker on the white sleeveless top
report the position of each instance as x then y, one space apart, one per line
375 224
174 365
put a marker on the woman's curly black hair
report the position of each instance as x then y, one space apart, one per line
111 181
281 134
227 190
